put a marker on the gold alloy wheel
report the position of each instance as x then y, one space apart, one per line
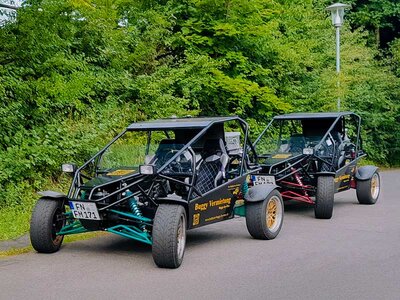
274 213
375 186
271 213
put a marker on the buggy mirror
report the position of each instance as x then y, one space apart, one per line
69 168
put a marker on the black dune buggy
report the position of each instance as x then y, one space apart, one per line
157 179
316 155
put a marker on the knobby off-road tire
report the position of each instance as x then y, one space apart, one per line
44 225
264 219
323 207
368 190
169 235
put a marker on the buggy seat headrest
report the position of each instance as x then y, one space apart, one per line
213 146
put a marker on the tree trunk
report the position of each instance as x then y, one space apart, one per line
378 36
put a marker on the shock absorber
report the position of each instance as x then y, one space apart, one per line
134 207
245 188
298 180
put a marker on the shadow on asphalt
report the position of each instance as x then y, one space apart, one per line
197 237
297 207
108 243
127 245
116 244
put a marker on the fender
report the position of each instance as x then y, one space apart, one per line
52 195
172 201
333 174
365 172
259 192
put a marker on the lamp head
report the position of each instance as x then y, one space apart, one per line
337 11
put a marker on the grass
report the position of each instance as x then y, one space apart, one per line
15 219
14 222
15 251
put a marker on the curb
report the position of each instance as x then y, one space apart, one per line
20 242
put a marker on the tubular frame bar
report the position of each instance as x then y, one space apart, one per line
286 168
76 183
296 196
144 220
74 228
132 232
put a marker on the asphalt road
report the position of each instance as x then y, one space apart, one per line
355 255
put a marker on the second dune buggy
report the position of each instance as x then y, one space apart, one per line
312 156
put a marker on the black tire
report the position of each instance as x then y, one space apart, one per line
44 225
323 207
261 223
169 235
368 190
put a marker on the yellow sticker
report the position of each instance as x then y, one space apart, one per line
196 219
282 155
342 178
236 191
120 172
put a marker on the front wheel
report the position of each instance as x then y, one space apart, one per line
47 219
264 219
368 190
169 235
323 207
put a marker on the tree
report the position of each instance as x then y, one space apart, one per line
379 16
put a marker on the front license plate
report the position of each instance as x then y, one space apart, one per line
84 210
259 179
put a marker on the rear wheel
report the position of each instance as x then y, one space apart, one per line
169 235
264 219
47 219
368 190
323 208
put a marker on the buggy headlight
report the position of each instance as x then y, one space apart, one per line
147 169
308 151
68 168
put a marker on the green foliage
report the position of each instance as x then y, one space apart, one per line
73 73
71 78
394 59
381 17
375 13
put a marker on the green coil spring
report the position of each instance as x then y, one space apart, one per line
134 207
245 188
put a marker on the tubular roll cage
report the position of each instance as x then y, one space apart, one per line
78 184
327 134
299 159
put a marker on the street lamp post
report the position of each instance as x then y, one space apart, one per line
3 5
337 11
